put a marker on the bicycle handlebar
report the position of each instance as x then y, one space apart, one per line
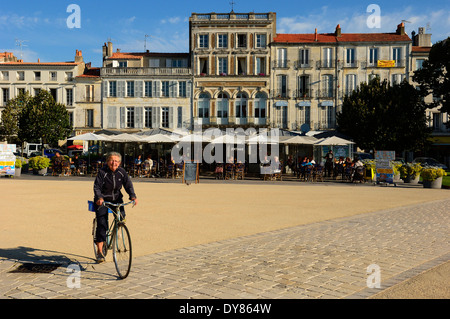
119 205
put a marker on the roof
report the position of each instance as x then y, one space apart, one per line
140 55
345 37
421 49
90 73
42 63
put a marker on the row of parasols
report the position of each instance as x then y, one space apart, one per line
160 138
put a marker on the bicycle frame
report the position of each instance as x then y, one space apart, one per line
117 220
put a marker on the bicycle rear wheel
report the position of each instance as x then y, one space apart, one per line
122 250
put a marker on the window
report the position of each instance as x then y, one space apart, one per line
89 118
261 41
303 86
182 89
148 117
69 97
223 66
419 63
261 66
69 76
154 63
20 91
36 92
350 83
5 75
396 56
21 76
327 58
203 41
179 117
53 76
203 64
260 107
241 107
242 41
304 114
397 78
203 106
54 94
89 93
222 41
281 86
242 66
5 96
282 58
165 88
112 88
373 57
327 86
148 89
37 76
350 57
130 88
303 58
165 117
130 117
123 64
222 108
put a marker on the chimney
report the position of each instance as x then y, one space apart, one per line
422 39
401 29
39 60
78 56
338 32
110 49
315 35
104 50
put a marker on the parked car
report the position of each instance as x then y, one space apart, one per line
430 162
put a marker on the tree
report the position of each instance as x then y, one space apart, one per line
383 117
44 119
434 76
9 126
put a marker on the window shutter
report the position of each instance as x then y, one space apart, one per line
139 88
105 88
156 88
171 117
123 117
188 88
112 117
156 117
139 117
120 88
168 63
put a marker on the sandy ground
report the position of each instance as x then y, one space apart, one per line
49 216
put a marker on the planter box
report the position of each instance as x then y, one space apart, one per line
41 172
17 171
436 184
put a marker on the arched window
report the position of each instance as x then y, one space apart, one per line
203 107
241 108
222 108
260 108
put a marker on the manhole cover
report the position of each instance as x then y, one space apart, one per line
30 268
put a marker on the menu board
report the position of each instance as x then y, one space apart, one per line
384 169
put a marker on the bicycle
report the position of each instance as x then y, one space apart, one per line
117 238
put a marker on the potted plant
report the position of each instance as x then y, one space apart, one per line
432 177
369 168
396 167
410 173
18 167
39 164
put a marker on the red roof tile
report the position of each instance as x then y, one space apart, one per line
421 49
345 37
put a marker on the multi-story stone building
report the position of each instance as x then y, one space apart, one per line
311 73
59 78
230 57
145 90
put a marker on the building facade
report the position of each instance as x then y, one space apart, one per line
145 90
312 73
230 56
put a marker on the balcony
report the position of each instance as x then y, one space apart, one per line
325 94
145 71
281 94
281 64
325 64
304 94
302 65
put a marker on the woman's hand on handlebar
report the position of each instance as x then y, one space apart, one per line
135 200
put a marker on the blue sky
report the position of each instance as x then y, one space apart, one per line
42 25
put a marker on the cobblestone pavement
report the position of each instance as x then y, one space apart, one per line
327 259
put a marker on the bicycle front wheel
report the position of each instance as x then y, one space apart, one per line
122 250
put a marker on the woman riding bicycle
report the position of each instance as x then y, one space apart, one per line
107 187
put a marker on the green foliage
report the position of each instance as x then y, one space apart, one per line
410 169
431 173
9 125
44 118
39 162
378 115
434 76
